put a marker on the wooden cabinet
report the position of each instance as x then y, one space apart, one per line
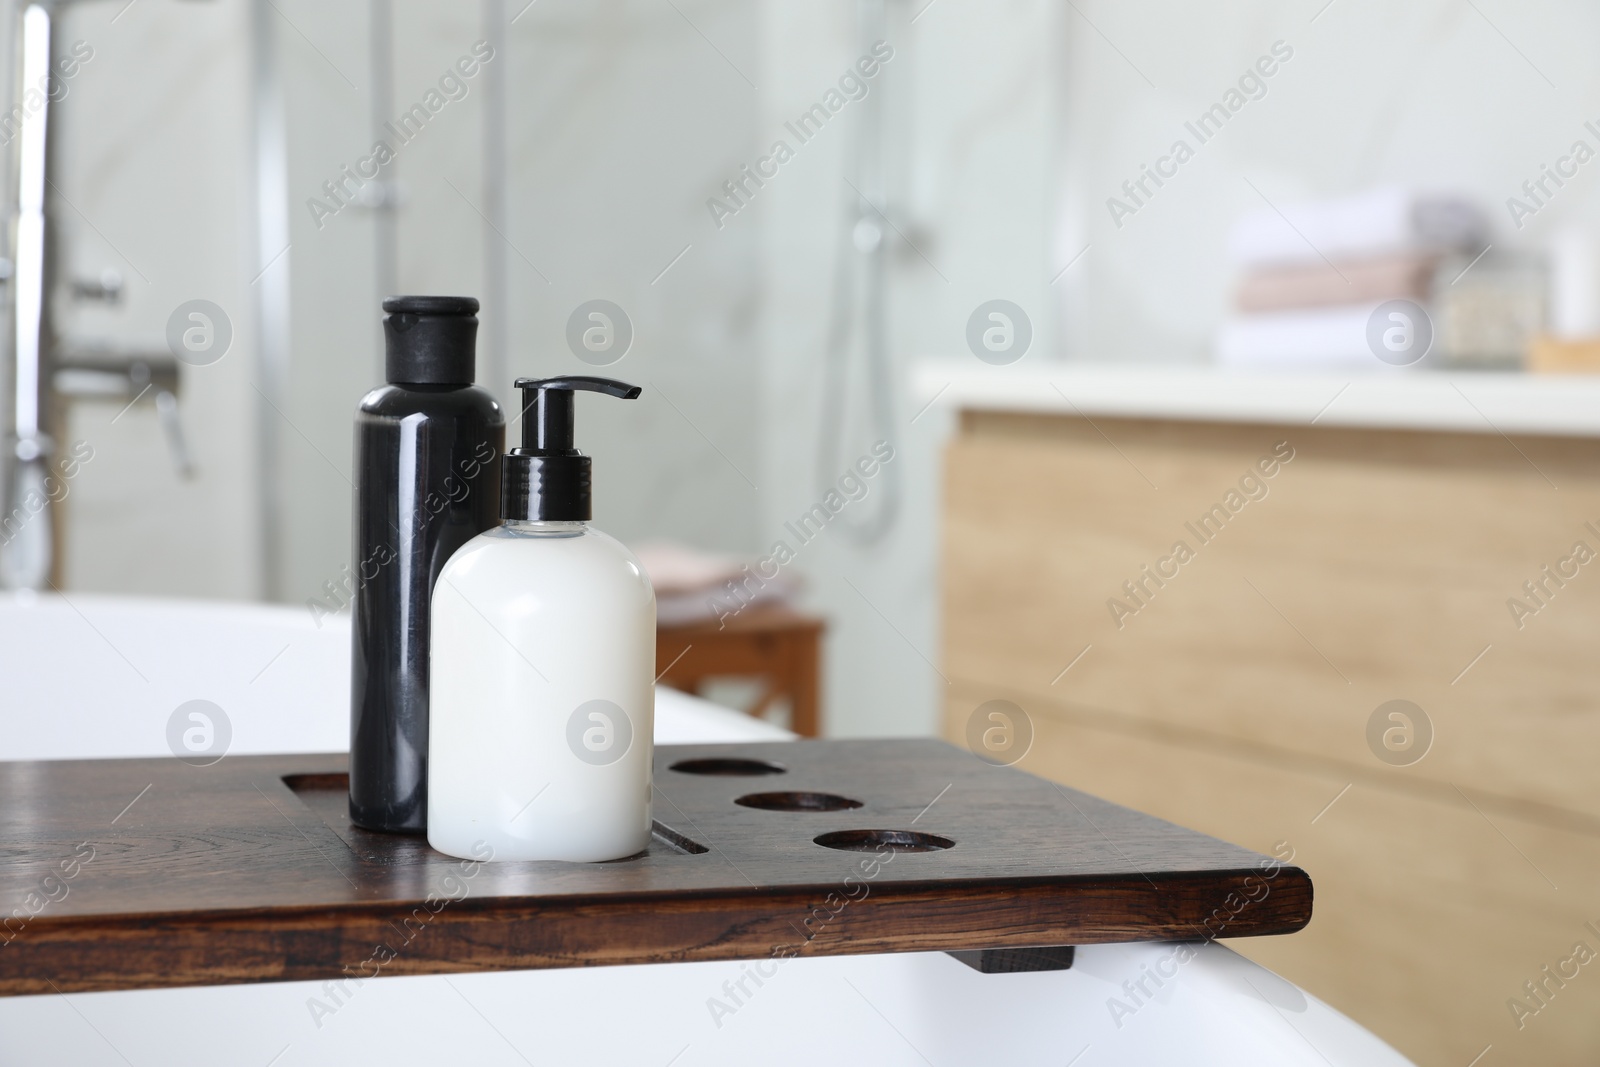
1229 685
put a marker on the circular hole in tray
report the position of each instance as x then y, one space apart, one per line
797 801
728 767
875 840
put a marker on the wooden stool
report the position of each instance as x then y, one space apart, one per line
779 645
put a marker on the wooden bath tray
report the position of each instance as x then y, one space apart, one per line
124 874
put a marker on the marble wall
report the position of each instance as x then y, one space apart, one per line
968 138
1437 95
152 183
624 119
1002 130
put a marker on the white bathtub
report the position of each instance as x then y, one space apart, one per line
100 676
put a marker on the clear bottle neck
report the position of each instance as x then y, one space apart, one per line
542 528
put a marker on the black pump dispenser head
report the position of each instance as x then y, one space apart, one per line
547 479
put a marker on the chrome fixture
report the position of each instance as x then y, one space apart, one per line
41 373
858 321
101 375
26 558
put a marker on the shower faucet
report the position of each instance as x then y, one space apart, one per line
40 373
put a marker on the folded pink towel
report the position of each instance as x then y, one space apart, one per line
1307 285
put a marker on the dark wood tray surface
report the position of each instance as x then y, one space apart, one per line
120 874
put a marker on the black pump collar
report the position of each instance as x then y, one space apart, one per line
548 479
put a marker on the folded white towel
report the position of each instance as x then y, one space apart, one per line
1380 222
1320 339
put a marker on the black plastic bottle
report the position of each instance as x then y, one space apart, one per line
428 448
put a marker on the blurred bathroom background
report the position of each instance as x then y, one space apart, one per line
577 165
1336 154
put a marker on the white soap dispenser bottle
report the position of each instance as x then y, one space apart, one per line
542 705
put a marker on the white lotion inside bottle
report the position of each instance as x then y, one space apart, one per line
542 668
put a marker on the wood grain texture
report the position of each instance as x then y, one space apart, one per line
1378 566
777 644
1236 698
1428 919
231 874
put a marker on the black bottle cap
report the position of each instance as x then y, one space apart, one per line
430 340
547 478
